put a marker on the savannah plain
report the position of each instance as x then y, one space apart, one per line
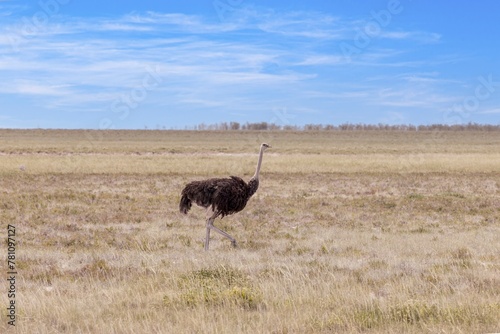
349 232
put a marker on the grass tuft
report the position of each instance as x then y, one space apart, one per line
216 286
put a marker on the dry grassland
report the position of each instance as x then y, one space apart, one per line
349 232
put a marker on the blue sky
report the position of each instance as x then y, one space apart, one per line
176 64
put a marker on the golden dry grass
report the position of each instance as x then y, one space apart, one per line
350 232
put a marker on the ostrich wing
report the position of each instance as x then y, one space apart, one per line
231 196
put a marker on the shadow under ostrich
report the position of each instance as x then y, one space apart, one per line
221 197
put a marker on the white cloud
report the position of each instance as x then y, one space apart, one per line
419 36
490 111
124 27
302 24
413 97
85 64
322 60
177 22
26 87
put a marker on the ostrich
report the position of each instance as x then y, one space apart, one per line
221 197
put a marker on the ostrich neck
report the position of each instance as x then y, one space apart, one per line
259 163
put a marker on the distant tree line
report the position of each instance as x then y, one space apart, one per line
264 126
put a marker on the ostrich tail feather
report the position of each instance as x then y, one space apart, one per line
185 204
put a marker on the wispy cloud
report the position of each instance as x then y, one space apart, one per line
301 24
419 36
124 27
322 60
26 87
413 98
258 60
490 111
177 22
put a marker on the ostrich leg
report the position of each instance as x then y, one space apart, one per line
210 225
218 230
207 237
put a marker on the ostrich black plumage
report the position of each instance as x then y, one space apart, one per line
221 197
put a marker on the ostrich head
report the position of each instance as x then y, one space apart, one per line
265 146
